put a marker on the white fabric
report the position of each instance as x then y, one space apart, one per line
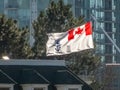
58 43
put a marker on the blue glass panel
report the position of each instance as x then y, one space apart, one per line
24 17
1 6
42 5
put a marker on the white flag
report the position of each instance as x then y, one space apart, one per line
74 40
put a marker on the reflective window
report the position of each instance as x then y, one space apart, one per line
1 6
13 14
12 4
42 5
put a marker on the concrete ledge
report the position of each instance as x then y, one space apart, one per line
33 62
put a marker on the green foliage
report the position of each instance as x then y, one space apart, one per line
40 35
84 62
96 86
105 74
13 41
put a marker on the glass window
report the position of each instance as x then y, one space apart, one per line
108 49
24 17
108 27
92 3
42 5
108 16
102 47
108 5
13 14
24 4
77 12
12 4
1 6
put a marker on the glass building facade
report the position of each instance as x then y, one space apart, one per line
24 11
105 16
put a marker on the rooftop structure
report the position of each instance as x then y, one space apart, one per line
39 75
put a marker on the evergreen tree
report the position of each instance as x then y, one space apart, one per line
85 62
13 41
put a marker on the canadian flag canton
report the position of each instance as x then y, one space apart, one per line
72 32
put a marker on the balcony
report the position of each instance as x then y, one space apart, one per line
106 21
98 31
103 19
104 9
100 41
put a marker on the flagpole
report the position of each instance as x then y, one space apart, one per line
118 49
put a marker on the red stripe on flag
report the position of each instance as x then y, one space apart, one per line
72 32
88 28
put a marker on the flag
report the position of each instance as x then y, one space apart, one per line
74 40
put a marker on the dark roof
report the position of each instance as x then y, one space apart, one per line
39 74
65 77
32 76
4 78
28 74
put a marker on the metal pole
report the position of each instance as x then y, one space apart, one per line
107 35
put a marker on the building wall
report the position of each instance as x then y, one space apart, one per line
112 76
69 87
10 86
117 28
105 14
33 86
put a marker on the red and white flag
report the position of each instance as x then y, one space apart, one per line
74 40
